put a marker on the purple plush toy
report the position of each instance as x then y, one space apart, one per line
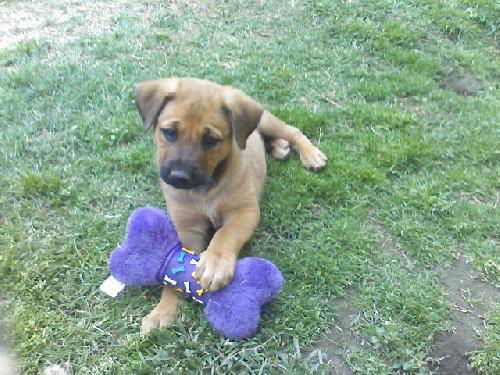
153 254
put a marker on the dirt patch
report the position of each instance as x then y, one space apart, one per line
388 246
7 364
64 369
471 299
339 338
64 20
463 83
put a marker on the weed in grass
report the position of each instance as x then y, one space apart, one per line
41 184
47 185
378 116
379 86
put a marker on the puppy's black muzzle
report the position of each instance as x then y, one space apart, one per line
182 175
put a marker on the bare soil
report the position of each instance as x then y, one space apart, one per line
334 345
63 20
471 299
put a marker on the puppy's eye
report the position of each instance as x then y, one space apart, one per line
210 141
170 134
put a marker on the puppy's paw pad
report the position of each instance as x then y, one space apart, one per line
155 320
313 159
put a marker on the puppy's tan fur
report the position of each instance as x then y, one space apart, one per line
196 108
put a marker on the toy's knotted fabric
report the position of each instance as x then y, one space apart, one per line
179 273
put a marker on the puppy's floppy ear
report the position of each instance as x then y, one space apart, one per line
244 113
152 96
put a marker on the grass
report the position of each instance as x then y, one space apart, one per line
487 359
400 309
367 81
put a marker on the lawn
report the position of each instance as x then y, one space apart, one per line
403 97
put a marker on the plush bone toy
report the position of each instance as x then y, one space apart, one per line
153 254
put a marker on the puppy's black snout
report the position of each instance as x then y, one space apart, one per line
180 175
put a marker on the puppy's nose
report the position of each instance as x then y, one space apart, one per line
180 175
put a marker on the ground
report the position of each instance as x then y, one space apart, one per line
390 254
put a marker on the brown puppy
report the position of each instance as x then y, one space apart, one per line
212 168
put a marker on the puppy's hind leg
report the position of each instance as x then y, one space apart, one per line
163 314
272 127
279 148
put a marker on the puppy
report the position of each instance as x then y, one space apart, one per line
211 160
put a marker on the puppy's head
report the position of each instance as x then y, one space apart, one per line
196 126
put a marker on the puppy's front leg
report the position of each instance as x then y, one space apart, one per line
216 267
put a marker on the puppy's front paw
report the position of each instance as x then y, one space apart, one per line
215 270
313 159
156 319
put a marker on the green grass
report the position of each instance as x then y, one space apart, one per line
487 359
365 80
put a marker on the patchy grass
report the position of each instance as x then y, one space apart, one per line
373 83
400 309
487 359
